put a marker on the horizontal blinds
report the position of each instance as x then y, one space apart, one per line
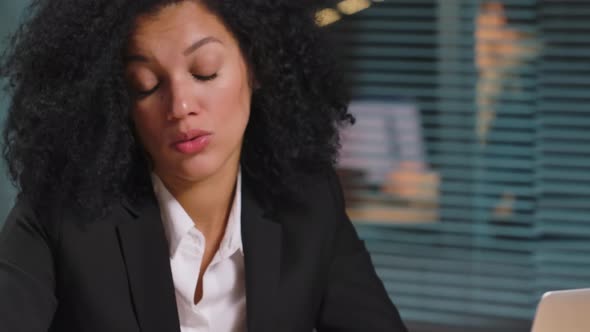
469 255
446 277
390 55
563 157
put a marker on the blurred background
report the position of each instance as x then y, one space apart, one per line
9 13
467 172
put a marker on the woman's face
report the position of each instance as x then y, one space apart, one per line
191 91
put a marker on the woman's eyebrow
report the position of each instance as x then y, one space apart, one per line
200 43
196 45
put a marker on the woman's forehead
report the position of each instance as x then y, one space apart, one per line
179 23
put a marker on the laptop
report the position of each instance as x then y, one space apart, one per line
563 311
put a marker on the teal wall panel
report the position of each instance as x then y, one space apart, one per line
10 12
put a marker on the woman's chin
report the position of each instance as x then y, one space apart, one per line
196 168
193 170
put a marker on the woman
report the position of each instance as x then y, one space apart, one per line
174 161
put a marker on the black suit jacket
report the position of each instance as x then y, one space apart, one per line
304 269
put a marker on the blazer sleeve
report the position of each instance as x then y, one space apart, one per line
355 298
27 300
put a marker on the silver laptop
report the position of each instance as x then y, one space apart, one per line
563 311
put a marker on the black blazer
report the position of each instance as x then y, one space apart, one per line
304 270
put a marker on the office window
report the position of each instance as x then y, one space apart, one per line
467 174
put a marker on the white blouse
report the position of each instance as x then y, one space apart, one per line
223 305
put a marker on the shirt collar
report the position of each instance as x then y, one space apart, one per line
177 222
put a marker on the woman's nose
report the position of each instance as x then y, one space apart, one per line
182 102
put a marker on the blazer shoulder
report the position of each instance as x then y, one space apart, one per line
319 198
323 185
23 215
22 211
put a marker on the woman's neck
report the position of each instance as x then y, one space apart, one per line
208 202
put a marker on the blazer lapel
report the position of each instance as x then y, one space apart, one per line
146 255
261 240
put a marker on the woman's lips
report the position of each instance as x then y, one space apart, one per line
192 142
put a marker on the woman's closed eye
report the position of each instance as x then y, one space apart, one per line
146 92
139 92
205 78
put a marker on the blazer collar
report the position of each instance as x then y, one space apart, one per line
262 241
146 254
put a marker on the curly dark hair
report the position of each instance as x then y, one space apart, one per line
69 137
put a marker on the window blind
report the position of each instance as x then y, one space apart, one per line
562 218
500 88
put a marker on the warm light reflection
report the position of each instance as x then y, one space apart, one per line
350 7
499 49
327 16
